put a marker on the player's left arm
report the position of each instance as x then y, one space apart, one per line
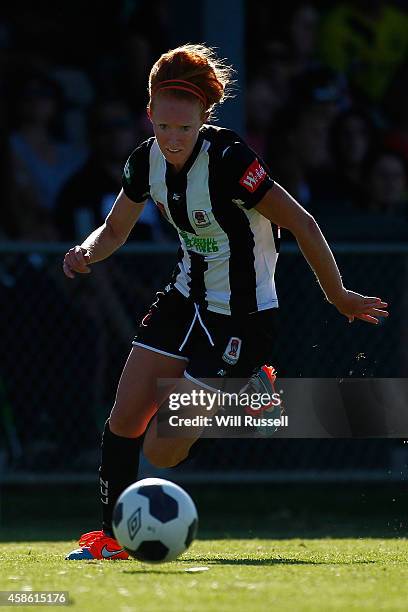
278 206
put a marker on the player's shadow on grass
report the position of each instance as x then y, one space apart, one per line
281 562
153 570
243 561
272 561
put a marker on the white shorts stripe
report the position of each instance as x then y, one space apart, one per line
199 382
156 350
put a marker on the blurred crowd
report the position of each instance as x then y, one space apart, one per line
326 107
74 85
326 101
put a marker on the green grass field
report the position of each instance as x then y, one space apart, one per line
259 548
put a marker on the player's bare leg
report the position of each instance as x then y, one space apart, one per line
164 452
137 400
138 395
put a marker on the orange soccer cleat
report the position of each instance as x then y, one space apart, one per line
262 382
97 545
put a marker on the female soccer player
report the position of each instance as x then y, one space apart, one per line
216 316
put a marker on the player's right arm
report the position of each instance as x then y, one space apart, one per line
106 239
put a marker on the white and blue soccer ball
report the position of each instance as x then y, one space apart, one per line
155 520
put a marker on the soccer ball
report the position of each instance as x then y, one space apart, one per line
155 520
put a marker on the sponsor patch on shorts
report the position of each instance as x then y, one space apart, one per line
233 350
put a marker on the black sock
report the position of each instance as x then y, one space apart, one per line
119 468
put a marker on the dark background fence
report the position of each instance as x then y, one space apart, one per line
64 344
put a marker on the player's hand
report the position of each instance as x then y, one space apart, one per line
356 306
76 261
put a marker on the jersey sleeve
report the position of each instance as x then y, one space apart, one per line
135 177
247 176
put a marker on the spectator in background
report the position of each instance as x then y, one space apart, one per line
286 55
144 34
386 185
262 102
292 30
21 218
353 137
303 29
88 196
368 41
43 160
396 107
299 149
323 88
299 153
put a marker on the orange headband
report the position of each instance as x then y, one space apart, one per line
184 86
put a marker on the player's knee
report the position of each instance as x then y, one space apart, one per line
122 425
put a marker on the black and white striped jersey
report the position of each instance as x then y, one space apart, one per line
228 250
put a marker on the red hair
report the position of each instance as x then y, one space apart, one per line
194 71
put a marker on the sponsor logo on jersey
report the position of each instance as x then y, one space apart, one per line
201 218
203 245
233 350
253 176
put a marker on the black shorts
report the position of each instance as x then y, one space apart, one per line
212 345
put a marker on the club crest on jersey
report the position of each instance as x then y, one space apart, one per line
233 350
253 176
201 218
